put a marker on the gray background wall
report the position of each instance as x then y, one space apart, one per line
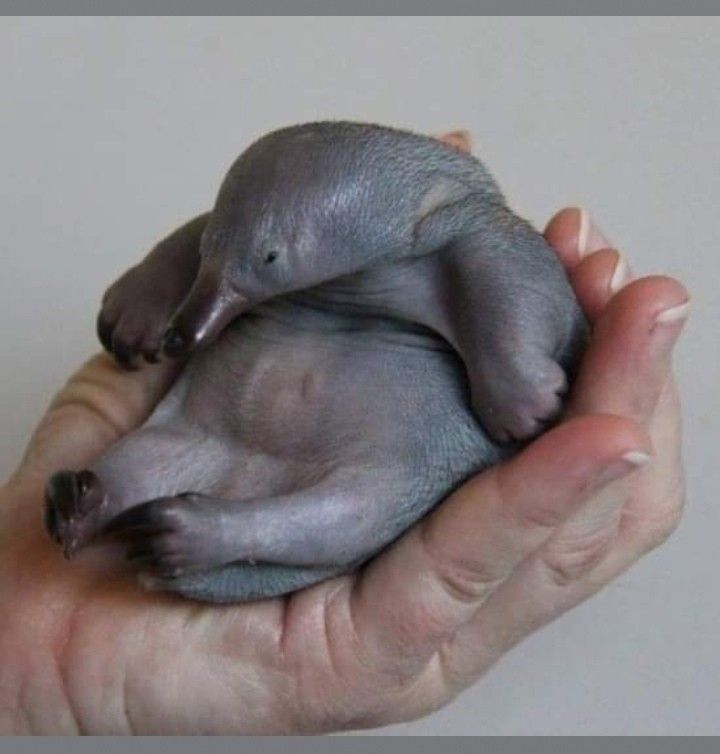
113 131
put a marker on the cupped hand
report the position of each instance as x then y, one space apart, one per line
83 649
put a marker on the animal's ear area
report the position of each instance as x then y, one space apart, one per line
459 139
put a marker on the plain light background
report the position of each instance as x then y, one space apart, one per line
116 130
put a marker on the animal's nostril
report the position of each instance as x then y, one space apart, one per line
174 342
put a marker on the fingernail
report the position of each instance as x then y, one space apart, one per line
628 462
636 457
590 238
673 315
621 275
664 335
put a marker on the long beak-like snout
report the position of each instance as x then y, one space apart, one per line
208 308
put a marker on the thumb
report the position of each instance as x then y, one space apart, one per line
99 404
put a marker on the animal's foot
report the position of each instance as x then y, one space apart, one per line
74 505
516 402
172 536
135 313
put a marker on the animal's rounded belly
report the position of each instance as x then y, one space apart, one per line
301 395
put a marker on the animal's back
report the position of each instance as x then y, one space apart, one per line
371 184
391 150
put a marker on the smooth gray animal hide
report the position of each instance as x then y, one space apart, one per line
370 325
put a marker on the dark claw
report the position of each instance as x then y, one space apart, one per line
69 548
147 555
73 493
104 332
85 480
140 518
174 343
124 354
71 504
51 521
62 492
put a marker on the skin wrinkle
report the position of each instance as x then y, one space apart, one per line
84 402
23 726
652 532
62 647
126 694
568 564
467 588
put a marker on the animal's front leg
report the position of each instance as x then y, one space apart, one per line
512 316
325 525
136 309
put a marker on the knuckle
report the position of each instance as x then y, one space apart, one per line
422 620
467 581
569 561
542 517
656 532
651 531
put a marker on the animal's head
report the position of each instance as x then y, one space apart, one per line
285 219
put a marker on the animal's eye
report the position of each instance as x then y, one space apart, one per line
270 257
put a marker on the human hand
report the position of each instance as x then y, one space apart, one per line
82 648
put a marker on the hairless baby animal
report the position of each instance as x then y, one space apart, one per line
366 324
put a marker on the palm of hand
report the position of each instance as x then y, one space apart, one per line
83 648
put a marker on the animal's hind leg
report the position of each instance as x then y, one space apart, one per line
152 461
337 522
224 551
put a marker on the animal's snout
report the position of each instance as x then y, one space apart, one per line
208 308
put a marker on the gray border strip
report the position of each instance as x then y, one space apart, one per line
365 8
418 745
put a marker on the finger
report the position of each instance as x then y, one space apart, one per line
572 565
573 235
597 542
629 359
597 278
596 271
624 372
460 139
100 403
419 592
649 518
544 586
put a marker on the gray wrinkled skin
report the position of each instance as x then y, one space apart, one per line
369 325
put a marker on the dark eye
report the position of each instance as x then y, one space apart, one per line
271 257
